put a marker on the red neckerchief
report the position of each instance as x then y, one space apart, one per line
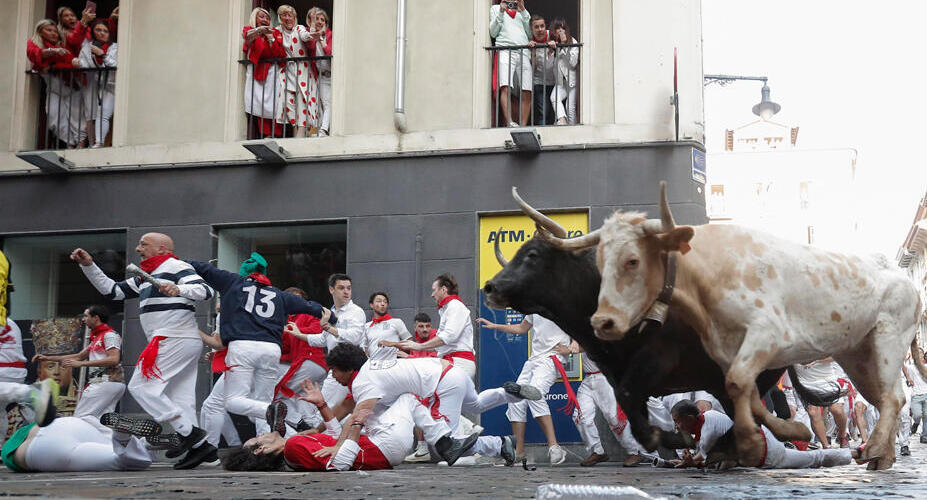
151 263
701 422
260 278
385 317
351 384
99 59
4 338
448 299
546 38
431 335
511 12
96 337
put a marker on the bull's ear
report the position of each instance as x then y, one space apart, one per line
678 239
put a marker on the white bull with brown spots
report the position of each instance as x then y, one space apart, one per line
760 302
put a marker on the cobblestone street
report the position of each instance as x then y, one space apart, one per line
906 480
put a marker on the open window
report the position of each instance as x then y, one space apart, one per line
536 85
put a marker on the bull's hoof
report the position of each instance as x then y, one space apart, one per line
750 447
653 439
882 463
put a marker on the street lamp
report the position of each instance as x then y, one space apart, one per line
765 109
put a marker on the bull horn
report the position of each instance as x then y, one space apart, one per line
542 220
666 222
570 244
501 258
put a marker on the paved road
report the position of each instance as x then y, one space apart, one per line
907 480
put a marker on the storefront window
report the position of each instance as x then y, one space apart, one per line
297 255
49 285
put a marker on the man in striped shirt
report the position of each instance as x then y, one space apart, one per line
164 382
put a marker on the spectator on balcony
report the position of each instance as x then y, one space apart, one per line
565 73
74 31
509 24
542 60
319 38
261 41
46 52
99 87
298 106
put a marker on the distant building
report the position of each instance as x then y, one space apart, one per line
764 180
912 257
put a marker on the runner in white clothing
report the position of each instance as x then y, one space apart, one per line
454 340
439 385
12 362
382 326
540 371
709 428
822 373
350 329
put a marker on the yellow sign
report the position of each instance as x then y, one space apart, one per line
513 231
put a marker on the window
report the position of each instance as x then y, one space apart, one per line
297 255
536 86
76 104
49 285
811 235
717 206
288 82
804 195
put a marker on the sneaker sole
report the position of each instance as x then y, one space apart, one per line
163 442
528 392
129 425
276 417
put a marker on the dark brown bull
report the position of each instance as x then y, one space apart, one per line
563 286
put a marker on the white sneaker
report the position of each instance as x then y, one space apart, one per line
323 133
557 455
462 461
513 125
421 454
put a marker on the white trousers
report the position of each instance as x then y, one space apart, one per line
325 91
99 104
249 384
392 429
171 397
72 445
64 108
780 457
541 373
595 392
12 390
558 96
297 409
456 393
99 398
469 367
214 418
333 392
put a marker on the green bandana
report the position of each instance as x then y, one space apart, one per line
255 264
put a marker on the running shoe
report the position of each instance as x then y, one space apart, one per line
556 454
276 417
42 399
450 448
142 427
523 391
196 456
163 441
421 454
508 450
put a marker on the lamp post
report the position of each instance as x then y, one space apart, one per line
765 109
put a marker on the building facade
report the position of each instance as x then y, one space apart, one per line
912 258
393 195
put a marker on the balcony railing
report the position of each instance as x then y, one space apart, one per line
552 91
274 107
77 107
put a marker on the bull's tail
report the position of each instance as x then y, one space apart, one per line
823 395
918 358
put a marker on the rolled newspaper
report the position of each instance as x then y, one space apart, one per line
137 271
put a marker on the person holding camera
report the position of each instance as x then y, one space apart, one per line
99 89
261 42
509 24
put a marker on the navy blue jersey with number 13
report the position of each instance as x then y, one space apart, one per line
252 310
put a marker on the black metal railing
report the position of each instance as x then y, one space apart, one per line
266 102
76 107
540 63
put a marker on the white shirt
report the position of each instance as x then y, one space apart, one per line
11 351
819 371
351 319
589 365
716 424
455 329
418 376
508 31
545 336
392 330
920 384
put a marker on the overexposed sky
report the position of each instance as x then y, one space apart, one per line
850 74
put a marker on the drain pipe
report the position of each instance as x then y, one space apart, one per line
399 111
417 275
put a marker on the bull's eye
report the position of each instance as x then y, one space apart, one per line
631 264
